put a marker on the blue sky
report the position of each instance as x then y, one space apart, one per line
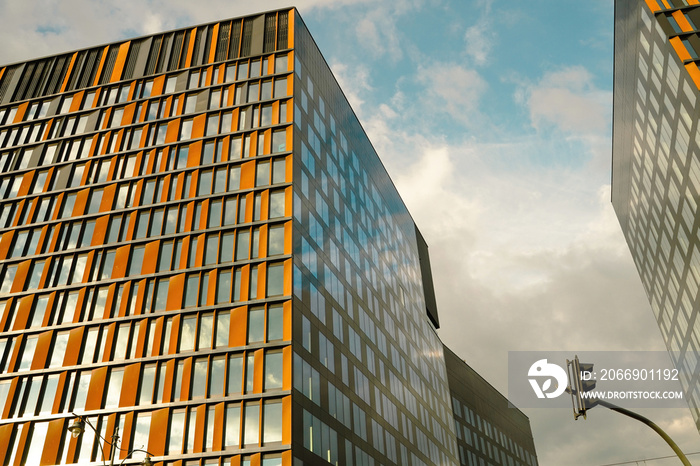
494 121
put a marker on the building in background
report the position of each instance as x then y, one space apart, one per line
200 248
656 166
488 428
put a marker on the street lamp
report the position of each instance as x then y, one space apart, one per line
77 428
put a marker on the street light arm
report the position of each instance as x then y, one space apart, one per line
97 434
651 424
148 455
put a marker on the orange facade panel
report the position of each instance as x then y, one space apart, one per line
157 438
694 72
682 21
653 5
680 48
119 63
98 379
52 442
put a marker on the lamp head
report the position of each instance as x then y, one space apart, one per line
147 461
77 428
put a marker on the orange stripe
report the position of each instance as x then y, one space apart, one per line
680 48
105 52
653 5
682 21
694 73
214 40
119 64
68 73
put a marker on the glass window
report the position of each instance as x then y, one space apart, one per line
278 170
189 329
141 431
242 244
235 374
217 376
251 430
275 322
206 330
222 329
177 431
277 204
275 240
199 376
272 427
148 379
211 250
279 141
275 280
233 426
273 370
262 177
28 354
280 88
223 294
114 387
59 349
256 324
230 211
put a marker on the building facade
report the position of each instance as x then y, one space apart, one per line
489 429
201 250
656 166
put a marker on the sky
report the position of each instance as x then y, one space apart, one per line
494 121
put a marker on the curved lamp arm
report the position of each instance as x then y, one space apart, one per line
76 430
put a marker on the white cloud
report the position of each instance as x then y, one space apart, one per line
568 100
480 37
453 89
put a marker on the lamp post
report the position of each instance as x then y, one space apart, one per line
77 428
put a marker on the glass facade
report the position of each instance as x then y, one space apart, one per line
656 166
489 429
201 251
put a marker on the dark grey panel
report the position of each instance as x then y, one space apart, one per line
427 278
9 92
256 44
142 60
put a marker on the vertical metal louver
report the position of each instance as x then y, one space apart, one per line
24 81
235 39
195 51
247 37
176 51
283 30
270 33
222 43
89 68
6 79
131 59
58 74
153 55
207 45
42 68
109 64
185 48
164 51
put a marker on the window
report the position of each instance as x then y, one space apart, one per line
275 241
275 279
256 324
273 375
251 429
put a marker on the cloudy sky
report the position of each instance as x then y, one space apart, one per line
494 120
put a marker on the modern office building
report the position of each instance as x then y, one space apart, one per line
656 166
200 248
489 429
